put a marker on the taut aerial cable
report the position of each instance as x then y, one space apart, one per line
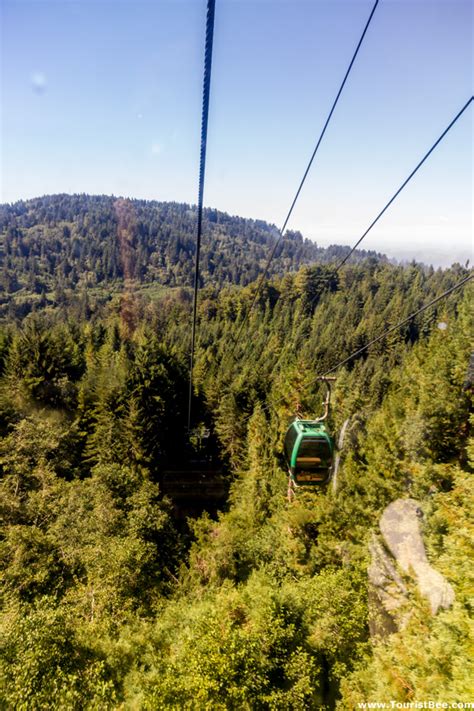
305 175
202 169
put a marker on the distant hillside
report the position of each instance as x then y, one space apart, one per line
69 241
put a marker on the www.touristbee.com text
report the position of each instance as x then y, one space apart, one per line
416 705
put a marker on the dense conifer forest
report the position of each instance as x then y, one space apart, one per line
114 598
58 244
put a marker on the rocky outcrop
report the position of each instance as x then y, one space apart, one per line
400 528
387 590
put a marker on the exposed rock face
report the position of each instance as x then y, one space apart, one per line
400 528
387 591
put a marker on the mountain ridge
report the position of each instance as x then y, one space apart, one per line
71 240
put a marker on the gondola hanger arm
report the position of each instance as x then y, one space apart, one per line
327 400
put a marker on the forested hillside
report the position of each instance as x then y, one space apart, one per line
110 599
55 245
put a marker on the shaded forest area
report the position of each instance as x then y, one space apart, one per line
112 602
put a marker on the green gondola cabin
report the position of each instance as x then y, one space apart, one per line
309 452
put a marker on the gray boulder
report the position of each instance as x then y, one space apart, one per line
400 527
387 591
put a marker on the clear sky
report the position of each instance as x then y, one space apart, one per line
104 96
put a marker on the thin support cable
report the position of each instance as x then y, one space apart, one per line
378 338
394 328
202 169
282 230
397 193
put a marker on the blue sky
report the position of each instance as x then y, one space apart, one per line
105 97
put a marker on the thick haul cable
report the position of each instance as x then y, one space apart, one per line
202 169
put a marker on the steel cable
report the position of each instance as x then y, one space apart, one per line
377 339
202 169
318 143
397 193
